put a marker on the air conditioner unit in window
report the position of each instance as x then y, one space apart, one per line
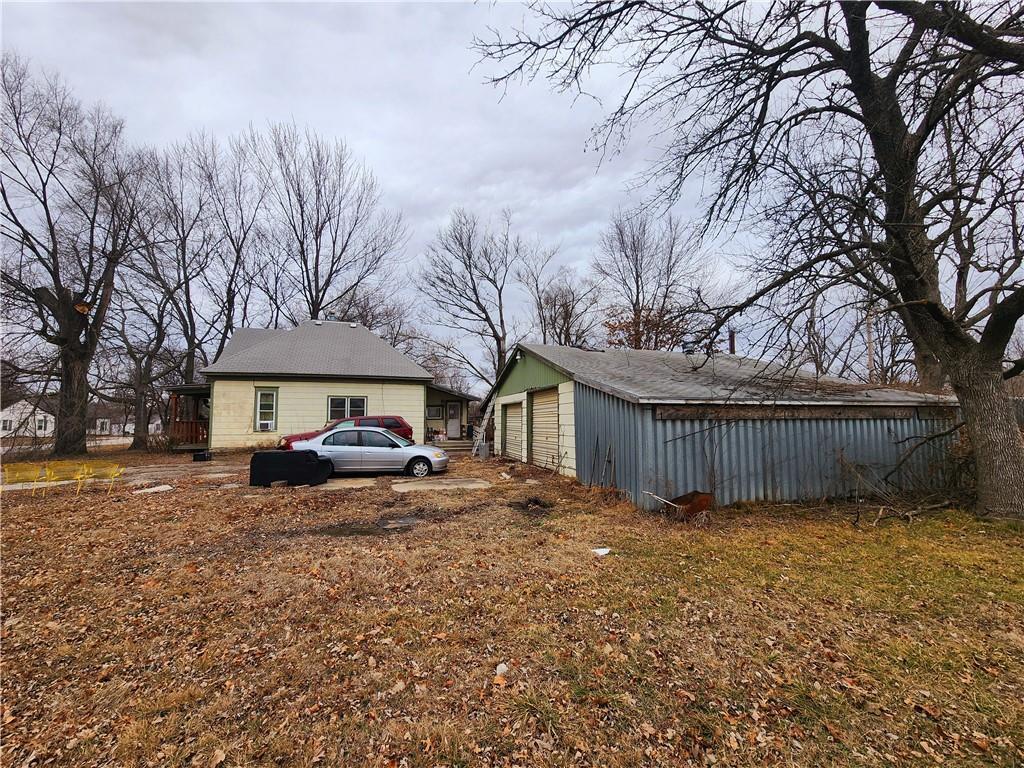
265 426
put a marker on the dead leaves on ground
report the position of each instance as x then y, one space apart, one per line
220 627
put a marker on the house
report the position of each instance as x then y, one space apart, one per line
107 419
447 412
666 424
27 417
268 383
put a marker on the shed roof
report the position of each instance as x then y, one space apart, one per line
453 392
644 376
315 349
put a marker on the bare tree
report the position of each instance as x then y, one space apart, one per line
652 279
431 355
71 192
237 195
184 243
138 352
379 311
468 279
326 219
841 332
754 96
564 303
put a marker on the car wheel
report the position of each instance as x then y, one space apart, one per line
419 468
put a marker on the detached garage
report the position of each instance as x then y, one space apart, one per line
665 423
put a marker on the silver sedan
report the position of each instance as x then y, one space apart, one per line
371 449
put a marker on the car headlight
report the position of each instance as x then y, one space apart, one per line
440 455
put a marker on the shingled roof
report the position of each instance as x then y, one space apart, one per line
643 376
314 349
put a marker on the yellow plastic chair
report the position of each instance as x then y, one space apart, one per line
107 470
23 472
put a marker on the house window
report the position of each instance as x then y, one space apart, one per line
41 424
266 410
8 425
343 407
102 426
435 412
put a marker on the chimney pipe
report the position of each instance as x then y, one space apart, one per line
732 342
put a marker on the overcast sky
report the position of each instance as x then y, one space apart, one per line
396 81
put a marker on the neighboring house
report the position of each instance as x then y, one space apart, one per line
106 420
268 383
27 418
669 423
155 427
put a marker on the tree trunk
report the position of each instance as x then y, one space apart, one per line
188 374
140 440
996 439
929 373
73 401
930 376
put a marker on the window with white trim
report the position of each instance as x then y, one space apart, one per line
339 407
266 410
41 424
435 412
8 425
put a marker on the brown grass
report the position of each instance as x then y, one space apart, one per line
186 627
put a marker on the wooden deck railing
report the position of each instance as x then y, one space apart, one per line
191 432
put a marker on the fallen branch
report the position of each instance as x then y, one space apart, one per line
925 439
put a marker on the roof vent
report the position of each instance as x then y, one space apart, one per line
353 325
318 322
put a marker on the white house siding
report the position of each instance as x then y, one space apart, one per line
567 428
302 406
23 421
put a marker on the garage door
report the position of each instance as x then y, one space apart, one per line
544 437
512 437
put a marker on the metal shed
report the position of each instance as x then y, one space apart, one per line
670 423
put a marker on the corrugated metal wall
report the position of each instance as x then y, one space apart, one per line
621 444
608 439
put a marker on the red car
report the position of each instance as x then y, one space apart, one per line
396 424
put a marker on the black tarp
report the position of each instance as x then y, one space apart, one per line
295 467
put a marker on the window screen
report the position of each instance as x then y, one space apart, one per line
266 410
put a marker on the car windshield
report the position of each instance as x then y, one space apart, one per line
401 440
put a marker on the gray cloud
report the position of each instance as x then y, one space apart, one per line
396 81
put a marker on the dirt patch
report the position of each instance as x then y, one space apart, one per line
383 527
532 506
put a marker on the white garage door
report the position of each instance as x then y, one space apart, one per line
544 435
512 437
